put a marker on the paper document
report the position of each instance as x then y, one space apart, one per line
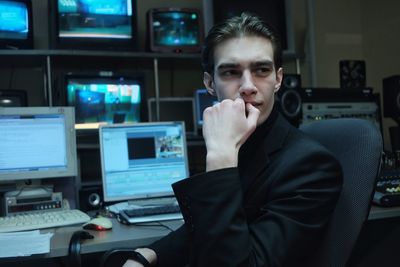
26 243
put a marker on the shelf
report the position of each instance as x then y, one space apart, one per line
287 55
97 53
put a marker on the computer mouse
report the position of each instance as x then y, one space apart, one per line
98 224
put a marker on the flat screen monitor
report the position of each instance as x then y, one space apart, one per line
13 98
36 143
174 109
97 99
202 100
95 24
142 160
175 30
16 27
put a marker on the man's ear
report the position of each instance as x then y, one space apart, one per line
279 78
209 83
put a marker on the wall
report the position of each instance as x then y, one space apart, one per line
381 24
357 29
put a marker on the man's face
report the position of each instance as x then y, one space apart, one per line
244 67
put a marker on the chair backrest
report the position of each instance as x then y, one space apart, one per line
357 144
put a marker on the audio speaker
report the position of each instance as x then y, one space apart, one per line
352 73
391 97
289 98
90 198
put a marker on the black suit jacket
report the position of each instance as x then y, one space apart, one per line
269 211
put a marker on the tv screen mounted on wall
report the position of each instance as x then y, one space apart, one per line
16 24
94 24
175 30
103 99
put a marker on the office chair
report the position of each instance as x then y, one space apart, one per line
357 144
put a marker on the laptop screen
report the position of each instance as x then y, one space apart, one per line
142 160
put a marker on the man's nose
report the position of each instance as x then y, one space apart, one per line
247 86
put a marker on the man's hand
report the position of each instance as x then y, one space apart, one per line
225 130
131 263
149 254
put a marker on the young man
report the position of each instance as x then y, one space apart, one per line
268 190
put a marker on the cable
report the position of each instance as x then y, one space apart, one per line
11 79
74 249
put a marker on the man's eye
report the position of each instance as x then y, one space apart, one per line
228 73
262 71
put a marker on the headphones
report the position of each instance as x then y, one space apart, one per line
74 249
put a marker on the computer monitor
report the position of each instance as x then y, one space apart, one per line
13 98
174 109
36 143
142 160
94 24
202 100
16 24
175 30
107 99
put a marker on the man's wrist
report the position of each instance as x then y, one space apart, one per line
215 161
138 257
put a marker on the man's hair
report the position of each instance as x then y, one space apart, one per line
244 25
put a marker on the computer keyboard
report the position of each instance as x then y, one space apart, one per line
43 219
153 213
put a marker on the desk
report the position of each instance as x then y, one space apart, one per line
120 236
377 212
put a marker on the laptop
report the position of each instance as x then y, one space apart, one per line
139 162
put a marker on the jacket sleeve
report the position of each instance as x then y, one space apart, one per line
286 224
172 249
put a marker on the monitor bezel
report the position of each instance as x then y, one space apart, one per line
199 113
86 43
139 77
27 43
177 100
21 94
141 124
153 47
71 152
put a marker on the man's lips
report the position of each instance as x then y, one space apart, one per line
255 104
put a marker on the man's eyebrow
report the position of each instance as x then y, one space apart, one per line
262 63
228 66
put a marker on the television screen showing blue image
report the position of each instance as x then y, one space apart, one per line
104 99
14 20
95 19
16 27
175 30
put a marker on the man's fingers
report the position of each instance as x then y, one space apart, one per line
253 114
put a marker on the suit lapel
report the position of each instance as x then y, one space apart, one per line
258 158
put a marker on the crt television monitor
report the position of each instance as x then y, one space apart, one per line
175 30
94 24
36 143
174 109
202 100
13 98
16 24
142 160
105 99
